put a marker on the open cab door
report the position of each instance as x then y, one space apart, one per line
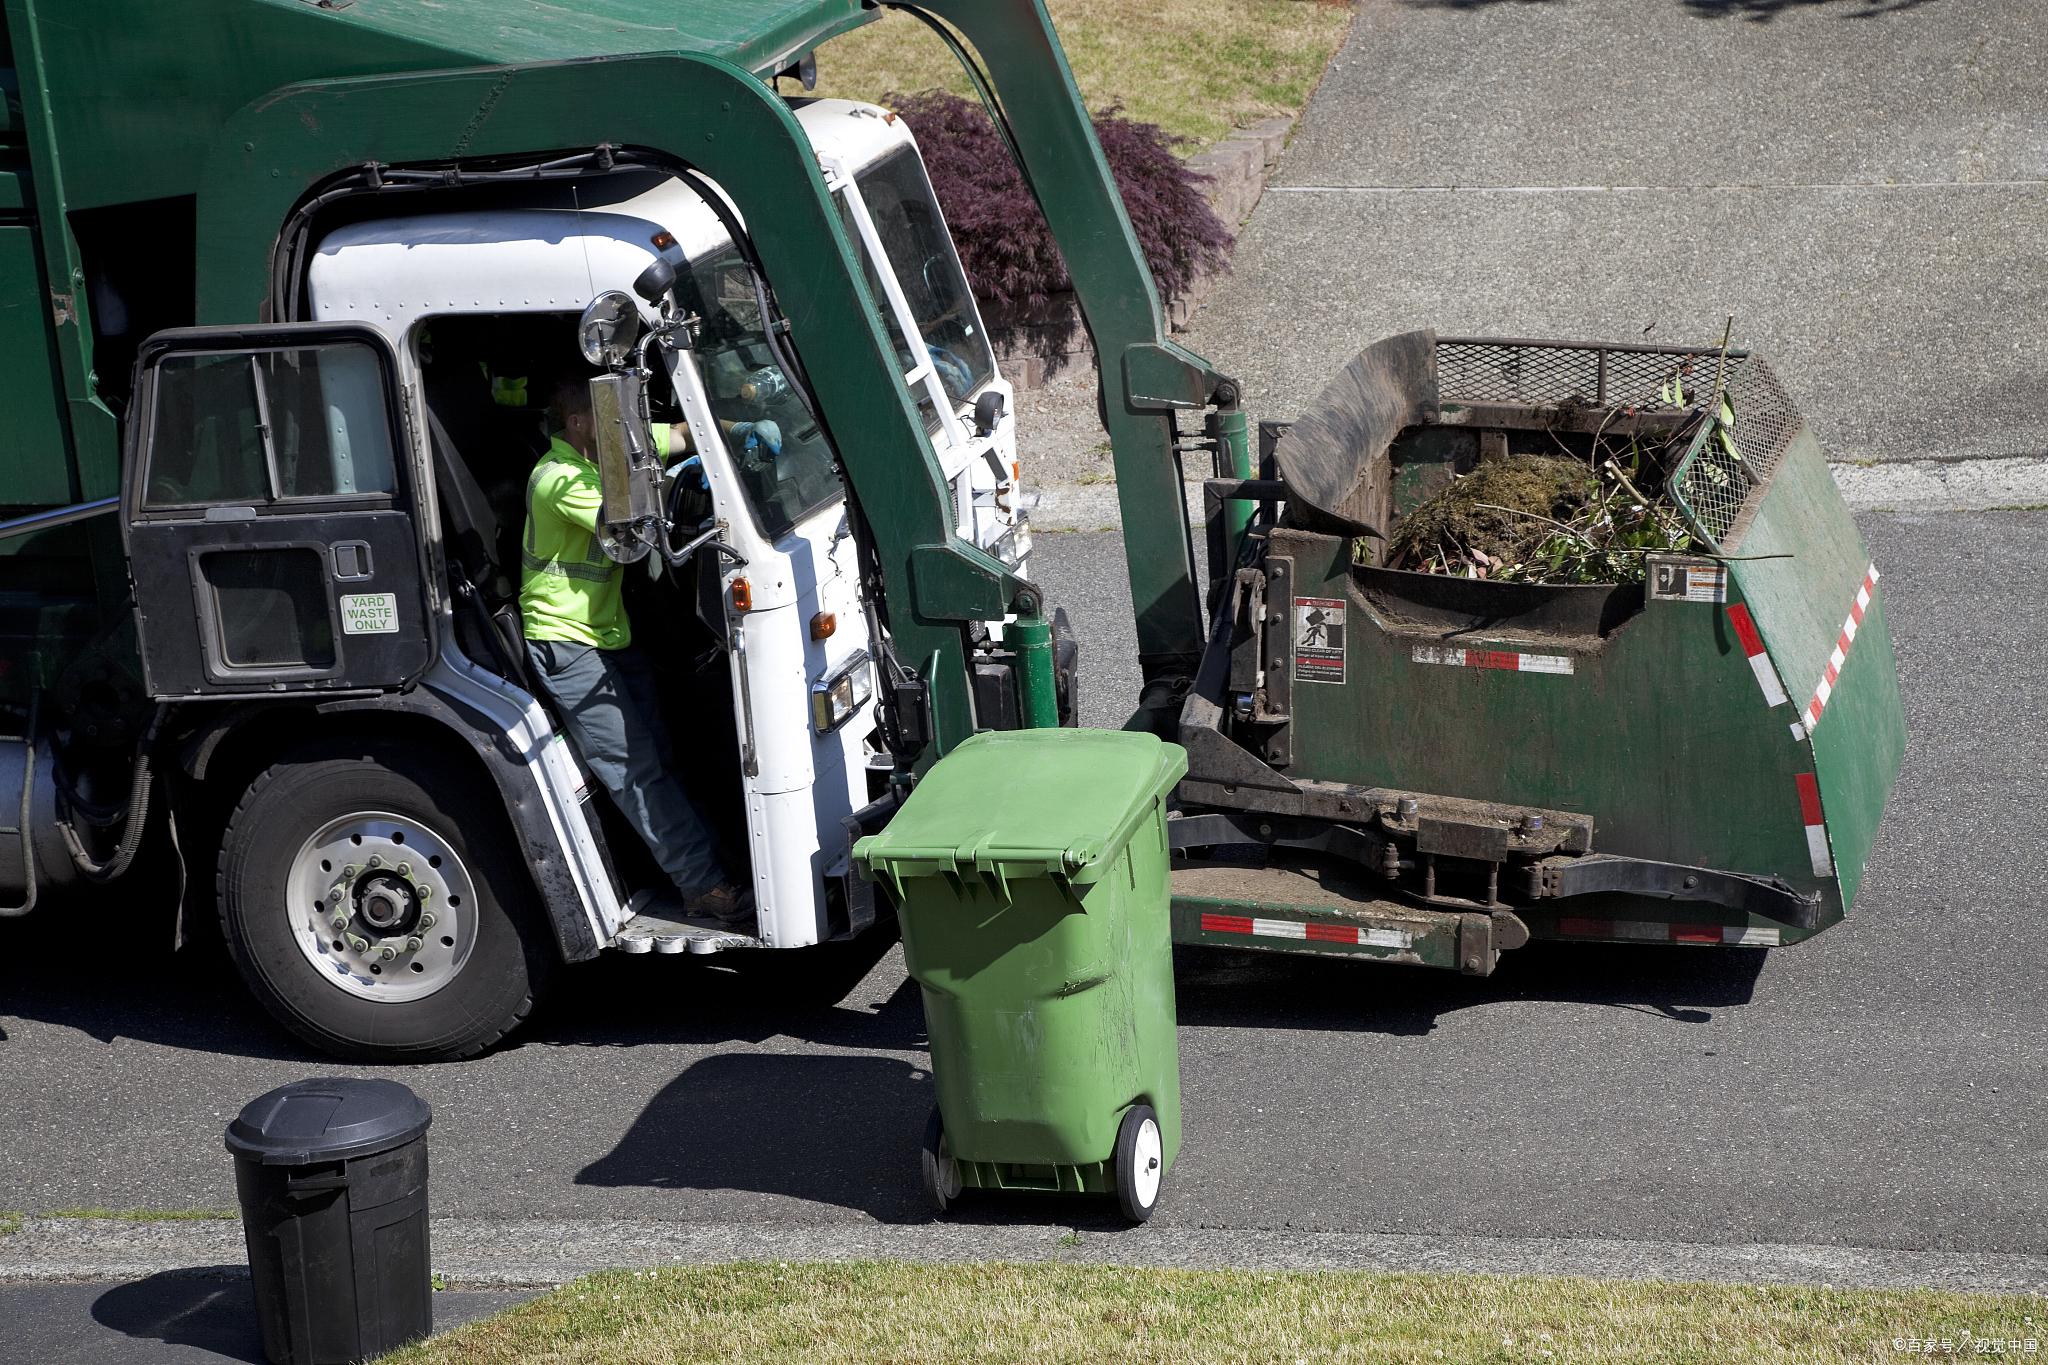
270 510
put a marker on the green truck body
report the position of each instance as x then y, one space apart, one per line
172 167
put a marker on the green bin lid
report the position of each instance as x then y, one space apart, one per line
1055 802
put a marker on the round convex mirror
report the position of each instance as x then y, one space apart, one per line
610 326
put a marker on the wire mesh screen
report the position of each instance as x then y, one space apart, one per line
1725 463
1551 372
1730 460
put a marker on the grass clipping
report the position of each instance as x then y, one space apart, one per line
1540 519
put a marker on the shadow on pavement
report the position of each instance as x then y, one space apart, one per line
200 1309
1230 988
202 1314
732 997
833 1130
189 998
193 999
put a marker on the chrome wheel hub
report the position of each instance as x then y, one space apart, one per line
382 907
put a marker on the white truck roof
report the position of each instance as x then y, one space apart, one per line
390 272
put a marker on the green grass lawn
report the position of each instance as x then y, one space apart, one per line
1197 68
934 1315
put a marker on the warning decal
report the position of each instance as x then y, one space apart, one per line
1675 581
1318 640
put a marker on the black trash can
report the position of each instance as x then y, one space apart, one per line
332 1176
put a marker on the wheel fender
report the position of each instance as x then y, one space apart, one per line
575 935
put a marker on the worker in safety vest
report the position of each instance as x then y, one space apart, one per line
581 647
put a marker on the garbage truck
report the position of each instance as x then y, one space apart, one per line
301 271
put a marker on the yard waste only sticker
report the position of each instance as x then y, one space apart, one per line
1318 640
369 613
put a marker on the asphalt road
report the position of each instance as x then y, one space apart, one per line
1881 1086
1862 183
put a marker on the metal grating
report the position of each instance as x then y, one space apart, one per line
1485 370
1713 484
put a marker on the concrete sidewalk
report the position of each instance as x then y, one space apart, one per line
1864 187
494 1253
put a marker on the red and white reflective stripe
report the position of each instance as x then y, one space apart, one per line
1311 931
1507 660
1841 651
1651 931
1816 827
1759 662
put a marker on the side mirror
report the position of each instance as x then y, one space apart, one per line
628 467
608 328
988 410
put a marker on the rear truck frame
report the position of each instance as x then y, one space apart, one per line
1414 807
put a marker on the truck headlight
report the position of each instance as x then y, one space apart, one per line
840 693
1013 545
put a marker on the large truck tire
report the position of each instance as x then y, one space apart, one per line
375 905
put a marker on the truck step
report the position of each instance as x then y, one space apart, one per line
656 934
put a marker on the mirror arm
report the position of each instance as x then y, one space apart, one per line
704 539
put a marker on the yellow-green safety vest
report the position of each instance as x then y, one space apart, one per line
568 586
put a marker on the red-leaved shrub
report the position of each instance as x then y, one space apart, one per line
1008 251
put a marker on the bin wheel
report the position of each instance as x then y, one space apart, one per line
941 1172
1140 1162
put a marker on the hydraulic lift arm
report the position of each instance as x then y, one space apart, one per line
1145 377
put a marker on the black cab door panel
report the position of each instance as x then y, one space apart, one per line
270 511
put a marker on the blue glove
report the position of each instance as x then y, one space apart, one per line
952 370
761 433
692 470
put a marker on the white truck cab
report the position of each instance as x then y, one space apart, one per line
763 645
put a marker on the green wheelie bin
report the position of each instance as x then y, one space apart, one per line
1029 869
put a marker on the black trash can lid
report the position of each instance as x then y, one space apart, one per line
329 1119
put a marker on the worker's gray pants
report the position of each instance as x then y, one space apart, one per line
607 701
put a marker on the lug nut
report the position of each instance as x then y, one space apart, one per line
387 952
334 893
376 860
426 921
405 869
338 922
358 944
348 872
415 943
426 893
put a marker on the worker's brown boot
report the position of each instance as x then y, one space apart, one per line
729 904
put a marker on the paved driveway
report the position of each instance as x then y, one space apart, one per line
1862 183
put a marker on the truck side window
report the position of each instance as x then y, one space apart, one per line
913 236
257 427
905 357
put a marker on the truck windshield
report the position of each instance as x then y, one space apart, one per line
913 234
746 385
